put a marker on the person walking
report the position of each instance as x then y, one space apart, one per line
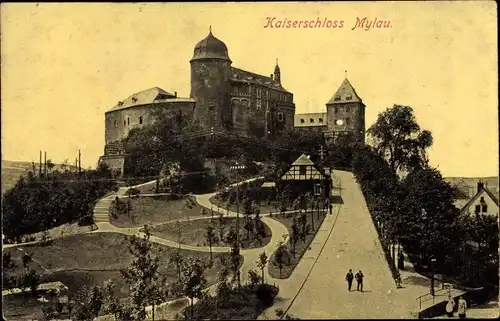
359 278
349 277
450 306
462 308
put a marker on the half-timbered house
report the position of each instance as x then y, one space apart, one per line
304 176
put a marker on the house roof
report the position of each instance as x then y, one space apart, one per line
304 120
345 91
250 77
481 190
148 96
303 160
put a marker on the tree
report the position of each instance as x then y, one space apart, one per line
194 281
95 300
236 261
398 138
111 304
27 259
29 280
210 237
295 234
261 263
142 274
280 255
249 227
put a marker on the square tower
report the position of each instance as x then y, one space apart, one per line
346 114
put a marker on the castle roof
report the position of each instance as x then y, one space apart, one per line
148 96
344 94
211 47
247 76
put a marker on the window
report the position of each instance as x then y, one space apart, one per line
134 99
114 123
128 120
302 170
311 120
211 105
337 98
336 110
485 208
348 97
259 104
140 120
347 120
320 120
478 209
124 123
280 116
317 189
259 91
302 121
347 109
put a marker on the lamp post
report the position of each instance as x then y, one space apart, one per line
236 168
433 260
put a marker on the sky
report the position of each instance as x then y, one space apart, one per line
64 65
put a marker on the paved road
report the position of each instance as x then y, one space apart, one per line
353 244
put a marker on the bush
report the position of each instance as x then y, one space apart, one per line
86 220
266 294
132 192
254 277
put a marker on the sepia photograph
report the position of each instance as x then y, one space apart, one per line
249 160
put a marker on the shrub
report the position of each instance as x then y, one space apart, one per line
132 192
86 220
266 293
254 277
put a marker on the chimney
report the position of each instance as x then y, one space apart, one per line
480 185
175 94
272 76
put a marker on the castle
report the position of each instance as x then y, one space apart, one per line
224 97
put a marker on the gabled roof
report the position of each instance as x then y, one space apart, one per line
303 160
345 91
304 120
481 190
144 97
247 76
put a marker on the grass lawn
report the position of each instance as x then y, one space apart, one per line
264 207
300 247
87 260
193 232
242 304
154 210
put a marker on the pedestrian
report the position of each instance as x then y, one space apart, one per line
349 277
450 306
462 308
331 208
359 278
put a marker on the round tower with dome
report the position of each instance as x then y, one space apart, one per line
211 83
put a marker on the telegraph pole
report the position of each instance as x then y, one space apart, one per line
79 162
76 165
237 167
40 166
45 165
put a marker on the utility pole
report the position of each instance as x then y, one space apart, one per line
76 165
40 166
79 162
45 165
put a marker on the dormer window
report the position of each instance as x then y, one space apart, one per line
337 98
348 97
302 121
120 103
320 120
134 99
311 120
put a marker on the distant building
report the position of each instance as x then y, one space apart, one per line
484 202
304 176
345 115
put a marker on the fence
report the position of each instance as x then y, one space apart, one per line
427 297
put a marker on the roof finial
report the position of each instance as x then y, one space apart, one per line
345 74
210 29
276 61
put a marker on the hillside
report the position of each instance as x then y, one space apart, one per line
12 170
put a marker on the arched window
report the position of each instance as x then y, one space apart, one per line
280 116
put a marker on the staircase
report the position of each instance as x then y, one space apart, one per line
101 208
